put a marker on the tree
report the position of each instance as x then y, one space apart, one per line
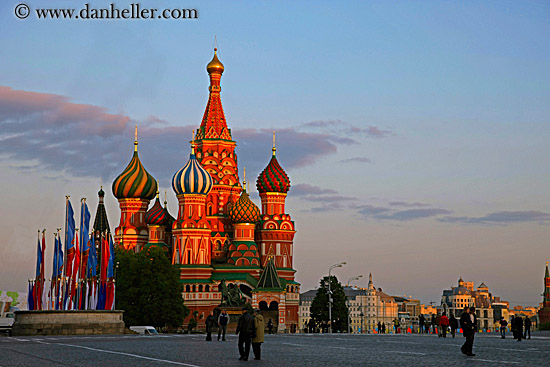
319 305
148 289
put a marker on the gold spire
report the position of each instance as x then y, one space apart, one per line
165 201
244 179
157 189
215 66
274 149
135 140
193 143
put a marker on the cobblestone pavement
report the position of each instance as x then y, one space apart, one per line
278 350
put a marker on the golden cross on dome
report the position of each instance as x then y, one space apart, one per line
274 149
244 179
193 143
135 140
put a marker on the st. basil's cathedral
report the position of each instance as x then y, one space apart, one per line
219 235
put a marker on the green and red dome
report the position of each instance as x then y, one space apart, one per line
273 178
244 210
156 216
135 182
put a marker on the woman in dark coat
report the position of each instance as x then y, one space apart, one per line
210 322
518 328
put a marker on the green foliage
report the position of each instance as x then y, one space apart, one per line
545 326
148 289
319 306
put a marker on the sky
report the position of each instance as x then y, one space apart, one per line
415 134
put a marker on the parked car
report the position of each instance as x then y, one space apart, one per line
144 330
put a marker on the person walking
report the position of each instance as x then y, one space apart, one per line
468 323
512 327
270 326
421 321
396 325
433 323
518 328
383 328
258 339
209 326
245 328
443 325
223 320
503 324
379 327
453 322
527 324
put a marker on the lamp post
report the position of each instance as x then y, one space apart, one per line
339 265
347 301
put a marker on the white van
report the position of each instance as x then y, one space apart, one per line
144 330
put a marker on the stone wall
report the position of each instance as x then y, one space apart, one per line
68 323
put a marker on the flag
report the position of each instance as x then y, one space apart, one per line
30 296
37 291
74 280
110 290
69 248
92 259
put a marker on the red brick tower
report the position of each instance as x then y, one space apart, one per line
133 188
216 153
544 312
275 235
191 230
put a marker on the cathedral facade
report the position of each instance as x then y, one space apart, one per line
219 237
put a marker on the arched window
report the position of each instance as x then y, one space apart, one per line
200 288
187 288
263 306
194 288
207 288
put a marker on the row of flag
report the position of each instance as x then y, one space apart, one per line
75 284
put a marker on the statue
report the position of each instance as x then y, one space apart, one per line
231 296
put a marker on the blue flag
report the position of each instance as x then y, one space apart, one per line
110 267
30 297
92 259
55 268
84 226
70 227
38 260
59 257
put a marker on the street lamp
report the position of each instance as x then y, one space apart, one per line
339 265
347 301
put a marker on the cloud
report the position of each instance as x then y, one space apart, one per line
389 213
356 159
503 218
306 189
346 129
412 214
53 133
408 205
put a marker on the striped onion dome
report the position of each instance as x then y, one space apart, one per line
273 178
135 182
192 179
156 215
244 210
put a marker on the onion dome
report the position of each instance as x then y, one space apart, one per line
156 215
192 179
244 210
135 182
215 66
273 178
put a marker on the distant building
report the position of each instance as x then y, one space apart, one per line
455 299
367 307
544 312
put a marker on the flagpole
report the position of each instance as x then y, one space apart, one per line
64 290
54 272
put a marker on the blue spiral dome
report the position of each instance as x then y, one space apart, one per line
192 179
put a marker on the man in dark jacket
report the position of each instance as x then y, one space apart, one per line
454 324
245 329
209 326
527 328
421 323
518 328
468 323
223 319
